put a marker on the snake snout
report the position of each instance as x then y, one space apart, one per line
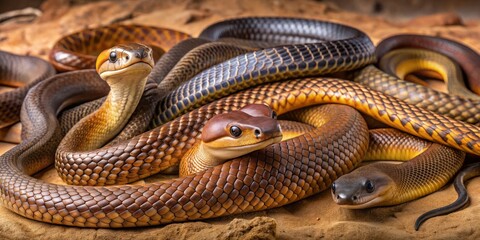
345 199
142 53
345 193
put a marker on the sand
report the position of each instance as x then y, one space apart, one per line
313 218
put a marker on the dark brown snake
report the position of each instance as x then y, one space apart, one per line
13 74
257 184
466 57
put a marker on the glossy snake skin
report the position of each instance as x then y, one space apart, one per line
211 193
271 64
12 74
261 180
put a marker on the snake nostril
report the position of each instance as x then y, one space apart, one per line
257 132
141 54
354 198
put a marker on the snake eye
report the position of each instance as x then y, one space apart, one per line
113 56
369 186
334 187
235 131
274 115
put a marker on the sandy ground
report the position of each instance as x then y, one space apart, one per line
313 218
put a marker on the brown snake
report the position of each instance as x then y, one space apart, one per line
12 74
176 200
79 50
261 181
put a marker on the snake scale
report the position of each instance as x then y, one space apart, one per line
261 180
213 83
466 57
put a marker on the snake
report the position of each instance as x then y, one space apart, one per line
386 184
306 48
282 97
463 109
79 50
401 62
468 172
262 63
232 135
12 74
466 57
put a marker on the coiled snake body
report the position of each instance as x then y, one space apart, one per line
261 180
12 73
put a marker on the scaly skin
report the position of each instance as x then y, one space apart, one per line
216 191
462 109
403 61
275 182
348 49
466 57
431 166
12 73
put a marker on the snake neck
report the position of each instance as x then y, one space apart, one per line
98 128
197 159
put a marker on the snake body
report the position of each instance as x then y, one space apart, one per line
214 83
462 109
401 62
12 73
466 57
470 171
176 200
78 50
157 83
262 180
384 184
347 50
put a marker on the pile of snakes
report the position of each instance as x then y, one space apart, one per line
254 114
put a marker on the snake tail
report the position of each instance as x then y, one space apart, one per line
471 171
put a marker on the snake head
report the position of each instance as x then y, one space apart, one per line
237 133
364 187
259 110
125 59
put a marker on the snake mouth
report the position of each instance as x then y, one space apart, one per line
134 68
254 146
135 65
357 198
237 151
362 203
